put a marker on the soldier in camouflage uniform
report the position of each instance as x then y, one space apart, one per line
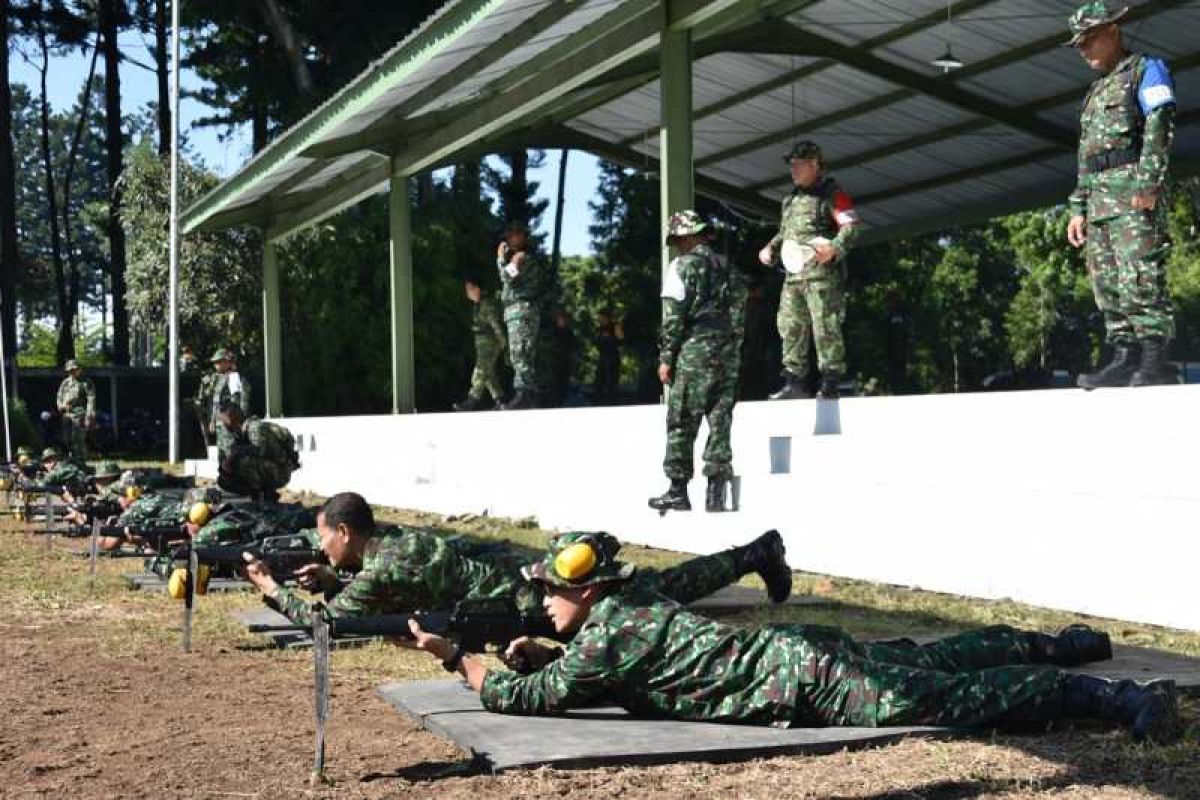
694 360
56 470
645 653
487 326
523 278
401 569
77 404
224 386
261 458
817 215
251 522
1119 205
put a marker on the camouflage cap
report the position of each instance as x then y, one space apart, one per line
685 223
128 478
221 355
1090 15
71 364
25 450
580 559
210 495
804 150
107 469
51 453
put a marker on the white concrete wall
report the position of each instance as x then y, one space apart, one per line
1085 502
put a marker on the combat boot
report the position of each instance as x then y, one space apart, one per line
1153 371
766 557
472 403
714 498
831 386
1072 646
674 499
1151 709
521 400
1115 373
793 389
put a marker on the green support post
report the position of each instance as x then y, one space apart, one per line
272 332
677 181
403 375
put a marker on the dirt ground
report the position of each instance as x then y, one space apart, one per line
100 702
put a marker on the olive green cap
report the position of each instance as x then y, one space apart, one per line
580 559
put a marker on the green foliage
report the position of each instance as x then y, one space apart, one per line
220 274
1183 267
22 429
41 341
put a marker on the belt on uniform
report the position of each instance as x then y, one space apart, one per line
1113 159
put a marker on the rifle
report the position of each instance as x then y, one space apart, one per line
156 538
95 508
283 555
43 488
473 623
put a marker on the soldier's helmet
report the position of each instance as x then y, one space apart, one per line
25 450
685 223
107 469
51 454
1090 15
221 355
580 559
71 365
803 151
128 478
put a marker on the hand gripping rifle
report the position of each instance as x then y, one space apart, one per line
474 624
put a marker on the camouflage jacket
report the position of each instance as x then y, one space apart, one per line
270 441
651 657
487 319
405 569
822 210
76 398
527 285
68 474
1131 108
154 510
251 522
217 389
698 296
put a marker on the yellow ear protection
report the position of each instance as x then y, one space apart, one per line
577 561
199 513
133 492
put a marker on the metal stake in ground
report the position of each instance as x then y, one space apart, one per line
94 554
189 596
320 634
49 519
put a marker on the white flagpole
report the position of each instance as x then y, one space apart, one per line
173 282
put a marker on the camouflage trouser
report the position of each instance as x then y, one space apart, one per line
701 388
486 375
523 321
74 436
809 308
1126 261
684 583
225 439
981 677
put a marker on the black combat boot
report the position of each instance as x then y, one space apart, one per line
674 499
1151 709
1074 645
830 386
793 389
521 400
714 498
1115 373
473 403
765 556
1154 370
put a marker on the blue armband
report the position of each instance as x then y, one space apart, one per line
1156 89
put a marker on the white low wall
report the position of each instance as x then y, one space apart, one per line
1085 502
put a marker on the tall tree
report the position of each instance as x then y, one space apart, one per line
62 283
113 14
9 252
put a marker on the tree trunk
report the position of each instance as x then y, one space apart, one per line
162 72
9 254
114 142
556 252
289 42
67 211
258 107
65 347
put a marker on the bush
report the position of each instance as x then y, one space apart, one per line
23 431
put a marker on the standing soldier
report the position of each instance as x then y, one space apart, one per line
1118 209
77 405
694 356
522 275
817 228
487 325
223 387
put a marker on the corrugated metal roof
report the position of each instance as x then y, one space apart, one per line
915 143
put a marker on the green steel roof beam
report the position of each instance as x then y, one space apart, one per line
324 203
390 71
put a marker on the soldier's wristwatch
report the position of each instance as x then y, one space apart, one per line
452 663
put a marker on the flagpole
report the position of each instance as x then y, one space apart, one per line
173 281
